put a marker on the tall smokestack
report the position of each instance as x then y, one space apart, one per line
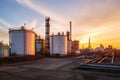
70 30
47 32
89 44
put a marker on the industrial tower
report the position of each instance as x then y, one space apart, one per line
89 44
47 34
69 33
69 39
70 30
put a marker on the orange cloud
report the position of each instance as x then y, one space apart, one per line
98 19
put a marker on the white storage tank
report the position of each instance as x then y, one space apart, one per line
58 45
4 50
39 45
22 41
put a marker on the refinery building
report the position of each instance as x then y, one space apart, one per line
26 42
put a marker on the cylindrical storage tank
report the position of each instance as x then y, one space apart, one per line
99 49
38 46
22 42
4 50
58 45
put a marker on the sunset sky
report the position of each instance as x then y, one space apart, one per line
97 19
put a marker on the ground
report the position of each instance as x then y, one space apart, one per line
52 69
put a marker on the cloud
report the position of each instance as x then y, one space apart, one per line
5 23
3 32
41 10
4 35
33 24
97 18
98 13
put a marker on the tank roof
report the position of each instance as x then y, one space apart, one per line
59 34
22 28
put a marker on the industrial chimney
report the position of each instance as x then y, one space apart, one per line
47 34
89 43
70 30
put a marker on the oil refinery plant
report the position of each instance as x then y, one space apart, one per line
23 41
